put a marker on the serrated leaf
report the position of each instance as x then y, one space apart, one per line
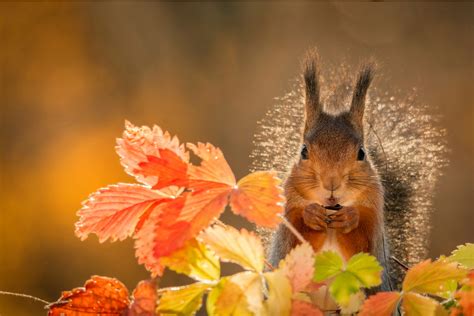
327 264
241 247
144 299
417 305
258 197
139 143
380 304
303 308
194 260
184 300
343 286
114 212
432 277
279 294
213 295
298 266
100 295
158 230
355 303
366 268
241 294
464 255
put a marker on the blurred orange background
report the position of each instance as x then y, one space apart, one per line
71 73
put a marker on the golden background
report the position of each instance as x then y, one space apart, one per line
71 73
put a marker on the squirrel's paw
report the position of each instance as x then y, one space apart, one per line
314 216
346 219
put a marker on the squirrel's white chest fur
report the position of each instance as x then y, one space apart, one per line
330 243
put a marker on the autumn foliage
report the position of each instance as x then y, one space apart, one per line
172 213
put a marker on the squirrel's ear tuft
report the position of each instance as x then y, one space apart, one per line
366 74
311 80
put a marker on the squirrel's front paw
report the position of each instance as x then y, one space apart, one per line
346 219
314 216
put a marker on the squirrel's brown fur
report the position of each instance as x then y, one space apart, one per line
334 170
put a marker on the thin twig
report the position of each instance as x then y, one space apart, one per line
404 266
34 298
269 265
292 229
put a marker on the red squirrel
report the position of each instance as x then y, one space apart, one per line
334 195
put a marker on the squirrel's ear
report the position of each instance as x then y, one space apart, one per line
311 80
364 79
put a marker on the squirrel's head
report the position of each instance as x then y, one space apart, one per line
333 167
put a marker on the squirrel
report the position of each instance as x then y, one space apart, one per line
365 170
334 195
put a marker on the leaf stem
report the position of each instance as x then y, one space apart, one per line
404 266
34 298
292 229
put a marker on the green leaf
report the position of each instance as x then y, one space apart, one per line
279 293
194 260
343 286
327 265
366 268
184 300
417 305
240 294
464 255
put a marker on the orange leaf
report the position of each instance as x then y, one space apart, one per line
139 143
213 169
116 211
298 266
380 304
302 308
465 297
100 295
418 305
161 230
144 299
431 277
258 197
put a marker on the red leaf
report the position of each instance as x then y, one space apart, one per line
116 211
138 143
144 299
100 295
158 231
380 304
168 167
302 308
164 224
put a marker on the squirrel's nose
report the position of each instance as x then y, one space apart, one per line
332 184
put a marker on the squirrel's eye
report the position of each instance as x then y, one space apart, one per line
304 152
361 154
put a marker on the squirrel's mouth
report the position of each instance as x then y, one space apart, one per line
336 207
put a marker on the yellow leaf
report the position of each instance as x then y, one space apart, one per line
194 260
417 305
464 255
241 247
241 294
184 300
279 294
